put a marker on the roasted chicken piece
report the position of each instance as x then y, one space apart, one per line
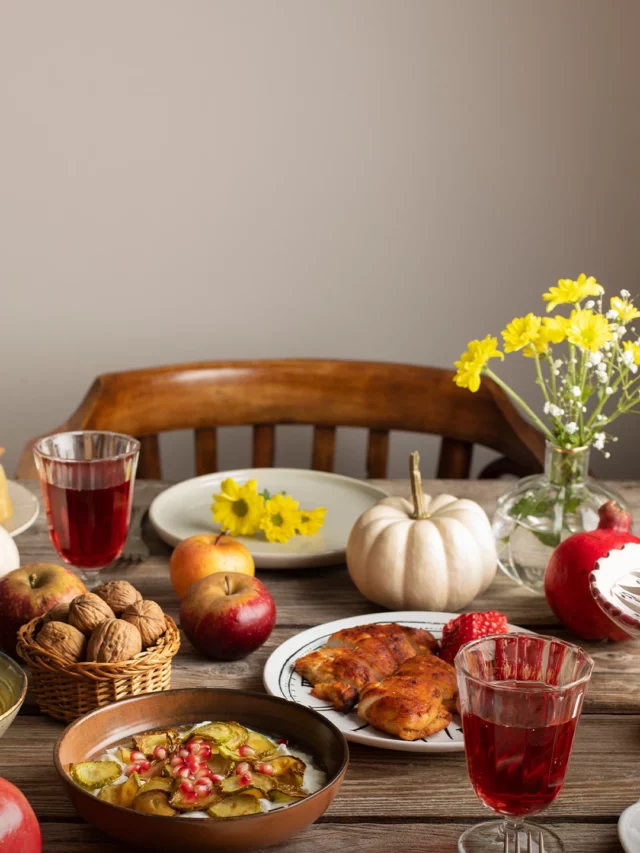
415 702
401 642
356 657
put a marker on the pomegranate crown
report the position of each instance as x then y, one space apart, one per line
614 517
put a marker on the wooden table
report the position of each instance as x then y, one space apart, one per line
390 801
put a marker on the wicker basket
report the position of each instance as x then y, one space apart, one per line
67 690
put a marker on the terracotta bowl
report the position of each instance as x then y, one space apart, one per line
13 689
88 737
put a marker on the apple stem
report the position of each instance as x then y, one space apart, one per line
33 580
220 535
226 582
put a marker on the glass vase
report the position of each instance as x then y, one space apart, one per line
538 512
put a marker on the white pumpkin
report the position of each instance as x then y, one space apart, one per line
433 554
9 557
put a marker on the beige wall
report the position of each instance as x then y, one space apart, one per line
193 179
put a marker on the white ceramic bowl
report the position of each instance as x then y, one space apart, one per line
615 585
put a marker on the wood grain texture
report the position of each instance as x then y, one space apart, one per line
264 445
377 453
389 801
149 463
375 395
206 447
324 448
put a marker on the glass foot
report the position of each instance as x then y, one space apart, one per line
90 578
489 837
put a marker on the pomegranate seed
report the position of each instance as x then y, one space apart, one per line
283 741
159 753
131 768
204 783
183 753
184 772
205 752
246 751
176 761
190 797
245 779
194 746
264 768
187 786
203 773
216 778
243 767
144 765
137 756
193 764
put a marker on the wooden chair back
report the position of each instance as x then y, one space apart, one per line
326 394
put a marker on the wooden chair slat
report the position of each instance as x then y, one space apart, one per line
206 445
264 446
455 459
324 448
149 467
377 453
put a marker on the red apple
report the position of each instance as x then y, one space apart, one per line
198 556
31 591
227 615
19 828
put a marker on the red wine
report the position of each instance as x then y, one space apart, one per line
517 766
88 527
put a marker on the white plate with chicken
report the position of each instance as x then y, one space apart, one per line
377 678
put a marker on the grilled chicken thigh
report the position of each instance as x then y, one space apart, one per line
357 657
415 702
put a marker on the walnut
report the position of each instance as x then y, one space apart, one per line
114 640
118 595
87 611
58 613
148 618
63 639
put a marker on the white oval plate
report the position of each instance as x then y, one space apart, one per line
25 509
615 585
185 510
629 829
280 679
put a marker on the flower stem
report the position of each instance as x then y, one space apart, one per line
520 402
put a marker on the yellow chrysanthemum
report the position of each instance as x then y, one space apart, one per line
280 518
635 349
569 292
520 332
311 520
587 330
552 331
237 508
627 311
473 360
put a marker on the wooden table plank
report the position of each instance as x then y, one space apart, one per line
329 837
389 801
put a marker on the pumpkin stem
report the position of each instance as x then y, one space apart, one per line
416 487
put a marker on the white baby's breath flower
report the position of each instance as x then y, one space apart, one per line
602 418
553 410
608 390
572 428
625 294
600 438
576 391
627 357
633 368
602 377
622 331
589 304
595 358
607 455
606 346
612 314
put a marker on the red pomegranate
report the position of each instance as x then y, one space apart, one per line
566 580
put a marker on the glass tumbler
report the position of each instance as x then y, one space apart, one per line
521 697
87 483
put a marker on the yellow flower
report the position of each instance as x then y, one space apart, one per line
569 291
635 349
473 360
520 332
587 330
552 331
238 509
310 520
627 311
280 519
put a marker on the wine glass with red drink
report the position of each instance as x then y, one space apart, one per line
521 697
87 482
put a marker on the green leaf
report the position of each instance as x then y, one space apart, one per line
266 494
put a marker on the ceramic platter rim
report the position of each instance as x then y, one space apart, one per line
629 843
279 679
269 557
26 508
